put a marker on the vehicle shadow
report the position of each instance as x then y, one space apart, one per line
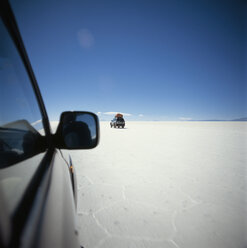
120 128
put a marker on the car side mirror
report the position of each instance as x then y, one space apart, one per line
77 130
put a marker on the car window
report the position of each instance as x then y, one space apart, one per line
21 128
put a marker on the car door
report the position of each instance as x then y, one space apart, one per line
36 196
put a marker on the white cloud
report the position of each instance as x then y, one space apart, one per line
85 38
36 122
113 113
185 118
140 115
109 113
98 113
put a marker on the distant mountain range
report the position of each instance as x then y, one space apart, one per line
239 119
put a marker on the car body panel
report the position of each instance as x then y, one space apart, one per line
57 228
15 179
37 193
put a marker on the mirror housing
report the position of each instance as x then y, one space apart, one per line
77 130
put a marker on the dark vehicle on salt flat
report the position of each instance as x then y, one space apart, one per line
118 121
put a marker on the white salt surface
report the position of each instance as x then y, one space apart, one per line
164 184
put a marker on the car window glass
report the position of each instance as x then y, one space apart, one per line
21 128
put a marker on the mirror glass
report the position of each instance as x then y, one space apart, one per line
79 130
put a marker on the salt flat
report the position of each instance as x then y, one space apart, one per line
164 184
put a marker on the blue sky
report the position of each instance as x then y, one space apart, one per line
152 60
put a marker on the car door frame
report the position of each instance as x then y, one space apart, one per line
25 211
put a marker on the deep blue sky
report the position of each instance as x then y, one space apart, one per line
154 60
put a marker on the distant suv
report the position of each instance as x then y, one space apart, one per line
117 122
